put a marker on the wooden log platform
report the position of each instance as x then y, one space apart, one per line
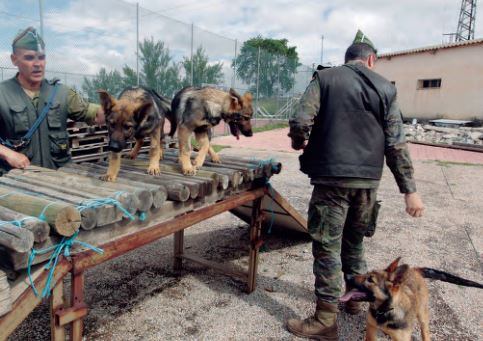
221 188
39 228
65 219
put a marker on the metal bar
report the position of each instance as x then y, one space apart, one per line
258 80
178 250
88 259
26 302
255 232
41 15
191 53
77 303
137 42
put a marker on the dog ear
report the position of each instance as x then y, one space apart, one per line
247 98
234 104
393 266
107 101
233 93
142 111
400 274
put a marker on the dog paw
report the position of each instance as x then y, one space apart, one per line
154 170
215 158
189 170
133 155
107 177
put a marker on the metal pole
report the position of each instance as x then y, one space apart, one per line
192 63
258 79
137 42
41 14
234 65
322 50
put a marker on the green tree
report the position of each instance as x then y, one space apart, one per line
158 71
130 77
278 64
111 81
202 71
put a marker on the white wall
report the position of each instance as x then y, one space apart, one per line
461 73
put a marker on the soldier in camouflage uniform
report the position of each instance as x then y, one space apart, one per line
351 119
23 97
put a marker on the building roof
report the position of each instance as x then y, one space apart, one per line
432 48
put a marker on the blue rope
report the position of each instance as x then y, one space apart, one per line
18 223
42 213
142 216
64 248
94 203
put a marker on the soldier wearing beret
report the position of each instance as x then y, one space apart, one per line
23 98
347 122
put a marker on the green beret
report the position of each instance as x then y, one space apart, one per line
362 38
28 39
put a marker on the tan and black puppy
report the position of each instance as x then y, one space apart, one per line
398 296
137 113
198 110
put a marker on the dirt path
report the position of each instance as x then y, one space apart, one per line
139 297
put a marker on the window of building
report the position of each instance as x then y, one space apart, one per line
429 83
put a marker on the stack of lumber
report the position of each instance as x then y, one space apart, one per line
39 206
89 143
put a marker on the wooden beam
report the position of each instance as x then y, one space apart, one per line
27 301
122 245
285 205
224 269
255 232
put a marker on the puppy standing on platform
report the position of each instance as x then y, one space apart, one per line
138 113
398 296
198 110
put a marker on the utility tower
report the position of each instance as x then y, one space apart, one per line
466 22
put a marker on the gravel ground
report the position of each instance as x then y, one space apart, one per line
139 296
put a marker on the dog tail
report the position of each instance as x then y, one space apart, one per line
447 277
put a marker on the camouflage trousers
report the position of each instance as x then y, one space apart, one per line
338 220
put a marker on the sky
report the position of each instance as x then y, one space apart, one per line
84 35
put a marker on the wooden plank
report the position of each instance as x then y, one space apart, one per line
120 246
285 205
129 201
16 261
39 228
15 238
35 188
64 218
5 298
224 269
27 301
159 193
175 191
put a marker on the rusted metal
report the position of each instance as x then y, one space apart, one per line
64 316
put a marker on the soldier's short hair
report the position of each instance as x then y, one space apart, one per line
360 51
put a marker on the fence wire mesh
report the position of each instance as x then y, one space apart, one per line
88 50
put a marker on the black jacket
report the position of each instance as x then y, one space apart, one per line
347 139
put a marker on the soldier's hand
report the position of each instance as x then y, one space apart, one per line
16 160
414 204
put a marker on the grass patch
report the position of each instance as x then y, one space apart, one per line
216 147
443 163
270 126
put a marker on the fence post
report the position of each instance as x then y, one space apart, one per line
233 83
137 42
258 81
41 15
191 53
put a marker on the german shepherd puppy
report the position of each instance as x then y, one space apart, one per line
137 113
398 296
198 110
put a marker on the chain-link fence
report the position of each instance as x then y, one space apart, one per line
112 44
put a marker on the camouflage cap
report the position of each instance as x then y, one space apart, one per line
362 38
28 39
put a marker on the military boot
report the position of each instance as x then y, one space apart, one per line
352 307
321 326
